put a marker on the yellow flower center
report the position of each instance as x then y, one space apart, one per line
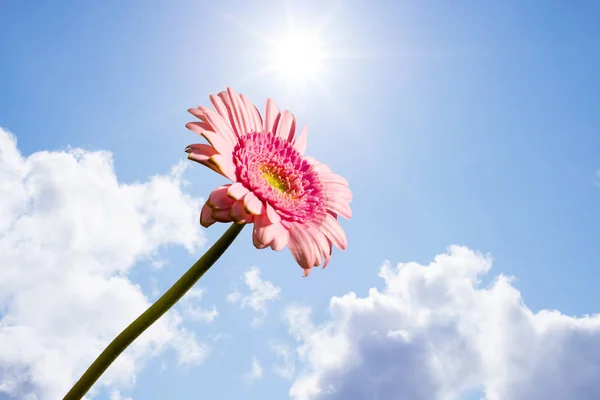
275 182
274 179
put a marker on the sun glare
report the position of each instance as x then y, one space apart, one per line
296 52
297 57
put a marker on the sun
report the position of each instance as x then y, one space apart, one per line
297 52
297 57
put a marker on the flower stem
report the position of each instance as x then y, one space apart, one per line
153 313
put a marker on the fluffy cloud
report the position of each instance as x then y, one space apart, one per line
260 292
255 372
69 233
434 333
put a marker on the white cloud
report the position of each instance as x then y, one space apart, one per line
286 364
191 309
234 297
159 263
255 372
434 333
201 314
260 292
189 350
69 233
116 395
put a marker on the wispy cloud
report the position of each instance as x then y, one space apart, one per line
286 360
191 309
116 395
261 292
255 372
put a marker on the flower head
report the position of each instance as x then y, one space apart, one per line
292 200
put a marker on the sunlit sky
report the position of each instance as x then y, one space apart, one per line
456 123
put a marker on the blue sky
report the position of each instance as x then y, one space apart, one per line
455 123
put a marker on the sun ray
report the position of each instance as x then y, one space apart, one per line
297 56
293 51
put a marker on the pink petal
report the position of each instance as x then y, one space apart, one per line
286 128
282 237
276 123
264 230
321 243
221 216
287 224
224 166
301 142
206 163
255 123
328 255
238 112
221 108
229 118
271 116
196 112
272 214
253 204
198 127
256 242
292 133
338 190
339 206
206 218
200 152
334 231
328 176
220 143
260 125
219 124
218 198
302 247
237 191
239 214
319 166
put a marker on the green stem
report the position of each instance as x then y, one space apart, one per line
153 313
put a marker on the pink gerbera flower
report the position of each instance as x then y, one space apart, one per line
291 199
